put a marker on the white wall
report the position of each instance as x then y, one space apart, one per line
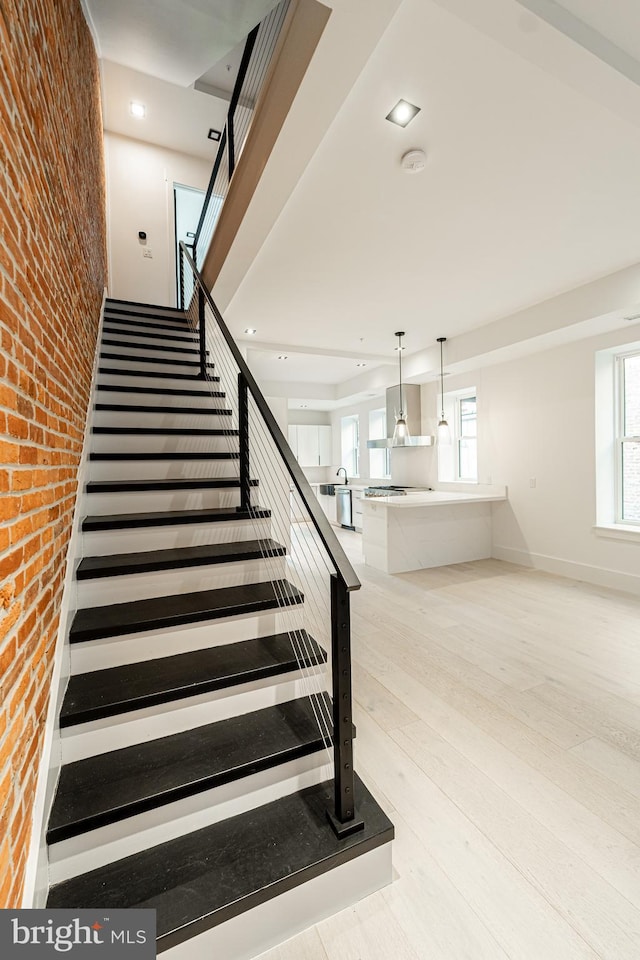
536 421
140 180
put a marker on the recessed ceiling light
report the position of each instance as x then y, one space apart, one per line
360 364
403 113
283 357
250 330
137 109
214 134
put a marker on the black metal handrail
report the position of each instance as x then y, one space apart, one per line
331 544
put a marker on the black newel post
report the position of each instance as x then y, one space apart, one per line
243 425
343 819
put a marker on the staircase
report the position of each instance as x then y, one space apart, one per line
198 752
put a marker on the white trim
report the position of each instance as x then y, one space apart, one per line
36 874
599 576
617 531
288 914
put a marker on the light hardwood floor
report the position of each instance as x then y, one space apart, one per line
498 723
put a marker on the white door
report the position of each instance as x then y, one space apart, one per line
187 206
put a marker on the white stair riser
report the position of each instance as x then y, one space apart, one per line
116 841
161 469
136 349
162 443
98 543
163 400
273 922
180 338
139 363
144 309
115 733
176 421
152 644
164 583
125 380
125 322
158 501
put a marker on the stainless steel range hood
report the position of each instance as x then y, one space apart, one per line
411 397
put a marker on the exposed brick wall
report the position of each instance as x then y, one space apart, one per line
52 274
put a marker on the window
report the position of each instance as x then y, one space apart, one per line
628 438
466 433
379 460
459 459
350 445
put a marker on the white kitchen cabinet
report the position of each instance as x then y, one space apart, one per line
311 443
356 509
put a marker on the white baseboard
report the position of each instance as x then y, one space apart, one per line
250 934
36 882
599 576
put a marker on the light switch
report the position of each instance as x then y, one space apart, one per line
148 253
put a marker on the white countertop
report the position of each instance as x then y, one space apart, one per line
432 498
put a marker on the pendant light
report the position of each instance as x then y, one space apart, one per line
401 433
444 433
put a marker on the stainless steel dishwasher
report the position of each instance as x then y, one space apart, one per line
343 507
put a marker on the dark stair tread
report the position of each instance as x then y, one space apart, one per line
149 346
150 324
165 431
166 455
124 564
158 391
123 783
107 693
106 355
150 337
124 521
136 486
162 308
148 408
136 616
207 877
156 374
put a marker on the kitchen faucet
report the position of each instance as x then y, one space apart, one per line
346 478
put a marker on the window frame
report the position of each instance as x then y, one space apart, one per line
449 453
621 437
355 453
459 437
386 451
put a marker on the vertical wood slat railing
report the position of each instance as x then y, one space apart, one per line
342 579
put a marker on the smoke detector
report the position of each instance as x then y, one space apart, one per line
413 161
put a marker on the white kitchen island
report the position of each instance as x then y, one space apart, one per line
428 529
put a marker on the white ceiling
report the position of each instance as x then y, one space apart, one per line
175 40
533 147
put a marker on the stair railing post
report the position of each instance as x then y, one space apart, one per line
181 255
343 818
243 428
202 332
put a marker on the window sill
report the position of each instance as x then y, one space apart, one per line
617 531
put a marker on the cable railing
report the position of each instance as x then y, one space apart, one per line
308 571
257 54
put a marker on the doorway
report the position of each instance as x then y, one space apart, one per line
187 205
